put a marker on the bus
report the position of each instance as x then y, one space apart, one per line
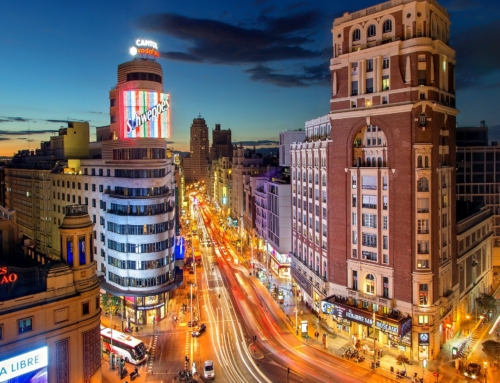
131 349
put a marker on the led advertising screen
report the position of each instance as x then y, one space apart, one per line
146 114
30 367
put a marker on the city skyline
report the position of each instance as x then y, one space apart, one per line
257 68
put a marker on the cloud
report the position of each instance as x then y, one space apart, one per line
478 56
14 119
65 121
25 132
257 143
312 75
4 139
260 42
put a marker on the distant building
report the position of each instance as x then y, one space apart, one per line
285 140
195 166
221 143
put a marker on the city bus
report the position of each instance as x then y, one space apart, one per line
131 349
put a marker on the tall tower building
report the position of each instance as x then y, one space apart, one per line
221 143
390 220
196 165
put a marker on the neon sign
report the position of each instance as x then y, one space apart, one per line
145 47
32 366
5 277
146 114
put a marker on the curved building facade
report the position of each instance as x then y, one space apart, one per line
130 194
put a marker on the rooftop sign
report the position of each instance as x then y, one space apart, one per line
145 47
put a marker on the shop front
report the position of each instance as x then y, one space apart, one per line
361 324
279 263
423 345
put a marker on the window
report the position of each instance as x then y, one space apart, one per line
369 182
354 220
369 65
384 222
354 198
25 325
354 181
369 220
93 202
369 201
100 172
423 264
422 205
86 201
354 85
385 63
372 30
385 202
385 259
423 247
423 226
369 240
424 293
101 188
386 242
369 255
85 308
384 178
93 186
385 83
86 186
354 237
356 35
385 292
370 284
387 26
369 85
423 319
354 279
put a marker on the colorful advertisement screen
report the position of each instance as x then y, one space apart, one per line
30 367
146 114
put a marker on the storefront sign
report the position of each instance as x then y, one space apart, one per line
423 339
341 311
145 47
151 307
6 277
25 366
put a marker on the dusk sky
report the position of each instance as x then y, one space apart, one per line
256 67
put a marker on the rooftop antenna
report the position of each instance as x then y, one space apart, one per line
29 138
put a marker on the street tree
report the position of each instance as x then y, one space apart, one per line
486 302
492 349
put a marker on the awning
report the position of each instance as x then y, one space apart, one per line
179 277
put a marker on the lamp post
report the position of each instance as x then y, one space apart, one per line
296 315
374 339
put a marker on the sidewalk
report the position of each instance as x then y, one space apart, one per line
337 342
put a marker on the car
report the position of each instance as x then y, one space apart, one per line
193 323
200 330
473 370
208 370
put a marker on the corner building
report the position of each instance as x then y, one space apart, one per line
390 214
130 195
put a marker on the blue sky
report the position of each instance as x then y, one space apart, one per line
255 67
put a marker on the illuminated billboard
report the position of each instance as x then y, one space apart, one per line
146 114
28 367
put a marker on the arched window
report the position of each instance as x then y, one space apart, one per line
370 284
387 25
374 162
426 161
356 35
423 184
372 30
419 161
380 162
368 162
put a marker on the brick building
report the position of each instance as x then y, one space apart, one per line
388 264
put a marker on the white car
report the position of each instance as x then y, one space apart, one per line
208 370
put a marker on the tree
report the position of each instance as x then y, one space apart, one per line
492 349
110 303
486 302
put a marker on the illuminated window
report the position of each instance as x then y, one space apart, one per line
424 293
25 325
423 319
370 284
